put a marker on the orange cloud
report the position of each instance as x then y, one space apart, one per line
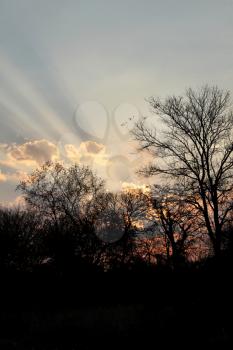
86 153
2 177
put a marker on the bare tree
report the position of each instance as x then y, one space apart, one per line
196 149
123 216
75 192
175 219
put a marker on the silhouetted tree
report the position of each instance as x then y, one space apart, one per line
176 219
18 239
69 201
123 216
58 191
195 148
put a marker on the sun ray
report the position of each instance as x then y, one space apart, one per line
21 114
26 89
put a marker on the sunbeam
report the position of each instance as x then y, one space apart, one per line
47 120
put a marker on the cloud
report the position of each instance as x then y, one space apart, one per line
86 153
28 155
19 160
72 152
3 177
39 151
18 201
13 177
93 147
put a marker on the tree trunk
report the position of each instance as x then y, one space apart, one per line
217 244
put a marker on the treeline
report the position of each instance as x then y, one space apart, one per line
71 223
80 266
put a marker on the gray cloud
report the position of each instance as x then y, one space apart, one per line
39 151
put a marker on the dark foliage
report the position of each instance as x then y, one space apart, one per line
56 294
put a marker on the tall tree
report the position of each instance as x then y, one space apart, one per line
195 148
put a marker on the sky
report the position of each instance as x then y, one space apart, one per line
74 76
